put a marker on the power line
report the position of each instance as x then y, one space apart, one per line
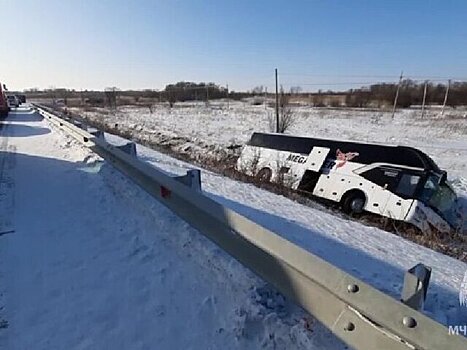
339 75
376 76
326 84
359 82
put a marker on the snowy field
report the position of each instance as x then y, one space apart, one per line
197 129
94 262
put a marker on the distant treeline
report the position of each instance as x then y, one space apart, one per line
410 93
179 92
187 91
376 95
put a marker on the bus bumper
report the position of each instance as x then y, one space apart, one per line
425 218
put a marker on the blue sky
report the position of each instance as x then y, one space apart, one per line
138 44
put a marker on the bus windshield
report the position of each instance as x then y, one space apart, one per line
441 198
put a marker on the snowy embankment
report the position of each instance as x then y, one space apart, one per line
220 129
378 257
373 255
90 261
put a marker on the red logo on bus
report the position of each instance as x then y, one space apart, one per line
344 157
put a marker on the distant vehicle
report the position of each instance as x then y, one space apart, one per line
21 98
13 101
398 182
4 109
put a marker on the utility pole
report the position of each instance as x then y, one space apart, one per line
207 95
424 99
266 97
277 104
397 96
446 96
228 102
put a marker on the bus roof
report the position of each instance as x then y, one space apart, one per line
368 153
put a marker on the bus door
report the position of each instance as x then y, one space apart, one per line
399 205
316 158
312 168
394 191
385 180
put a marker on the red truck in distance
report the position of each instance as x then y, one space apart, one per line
4 109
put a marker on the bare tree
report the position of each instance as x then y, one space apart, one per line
171 99
286 114
251 165
63 94
258 90
294 90
150 107
111 96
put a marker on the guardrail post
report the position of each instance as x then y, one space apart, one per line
97 133
416 282
192 179
129 148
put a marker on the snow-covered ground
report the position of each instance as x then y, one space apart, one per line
89 261
94 262
378 257
197 129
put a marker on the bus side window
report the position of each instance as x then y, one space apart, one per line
429 188
407 185
384 177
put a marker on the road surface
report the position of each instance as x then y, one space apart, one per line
89 261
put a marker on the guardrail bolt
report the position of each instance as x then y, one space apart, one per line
352 288
349 327
409 322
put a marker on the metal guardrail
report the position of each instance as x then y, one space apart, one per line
354 311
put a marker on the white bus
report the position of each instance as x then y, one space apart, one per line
398 182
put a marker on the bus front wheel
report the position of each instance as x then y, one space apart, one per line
264 175
353 202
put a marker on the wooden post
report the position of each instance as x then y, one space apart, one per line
424 99
277 104
446 96
228 102
397 96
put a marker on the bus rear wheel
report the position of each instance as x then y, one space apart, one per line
264 175
353 202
